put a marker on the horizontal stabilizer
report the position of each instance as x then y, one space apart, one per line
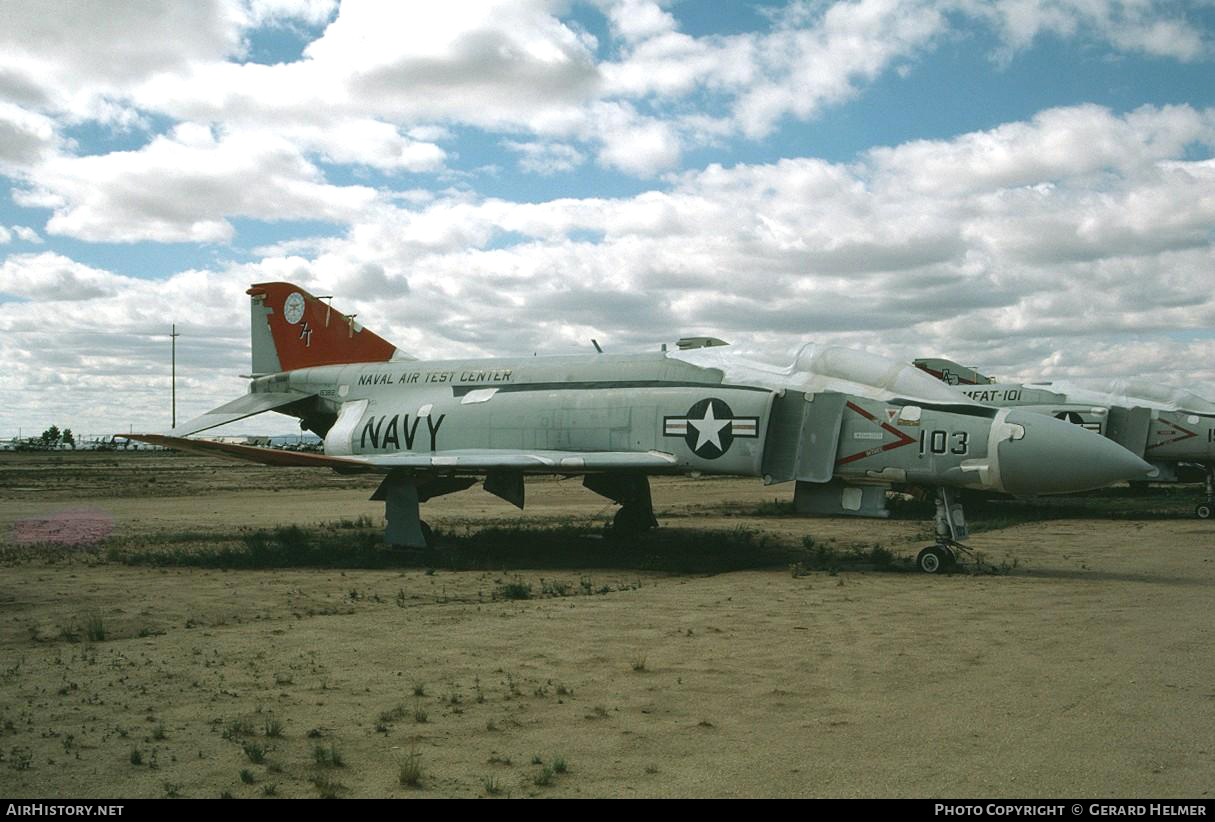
463 461
252 453
238 409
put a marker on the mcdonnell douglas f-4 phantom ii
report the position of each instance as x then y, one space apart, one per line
1166 426
843 425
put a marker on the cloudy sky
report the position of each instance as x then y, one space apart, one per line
1025 185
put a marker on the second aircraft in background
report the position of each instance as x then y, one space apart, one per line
1171 428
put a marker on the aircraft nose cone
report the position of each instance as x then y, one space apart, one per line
1057 457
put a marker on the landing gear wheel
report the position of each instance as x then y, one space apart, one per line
934 559
427 534
1203 511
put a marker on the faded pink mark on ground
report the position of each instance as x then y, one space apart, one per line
73 527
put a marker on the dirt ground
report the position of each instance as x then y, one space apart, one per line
1083 668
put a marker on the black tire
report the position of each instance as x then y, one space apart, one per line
1203 511
933 560
427 534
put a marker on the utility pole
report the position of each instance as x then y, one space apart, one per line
173 335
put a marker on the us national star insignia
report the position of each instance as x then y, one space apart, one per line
710 427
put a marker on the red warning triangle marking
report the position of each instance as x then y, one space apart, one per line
903 439
1185 434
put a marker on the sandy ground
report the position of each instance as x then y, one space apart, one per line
1086 670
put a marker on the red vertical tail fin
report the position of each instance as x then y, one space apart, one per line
292 329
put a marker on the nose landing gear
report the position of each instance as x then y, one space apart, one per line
951 529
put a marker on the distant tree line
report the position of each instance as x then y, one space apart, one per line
53 437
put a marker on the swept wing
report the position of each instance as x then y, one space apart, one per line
459 461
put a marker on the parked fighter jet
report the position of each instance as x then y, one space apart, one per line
843 425
1171 428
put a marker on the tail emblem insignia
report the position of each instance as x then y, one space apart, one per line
293 308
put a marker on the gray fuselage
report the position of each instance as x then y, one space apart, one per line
656 402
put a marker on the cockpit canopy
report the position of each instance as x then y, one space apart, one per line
887 375
819 368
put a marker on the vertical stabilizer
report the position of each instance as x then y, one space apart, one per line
292 329
950 372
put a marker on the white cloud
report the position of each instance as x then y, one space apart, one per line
383 85
636 20
89 349
546 158
822 54
184 186
367 143
673 64
27 234
488 63
497 64
74 52
312 12
50 277
810 66
1077 142
637 145
25 138
1149 26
